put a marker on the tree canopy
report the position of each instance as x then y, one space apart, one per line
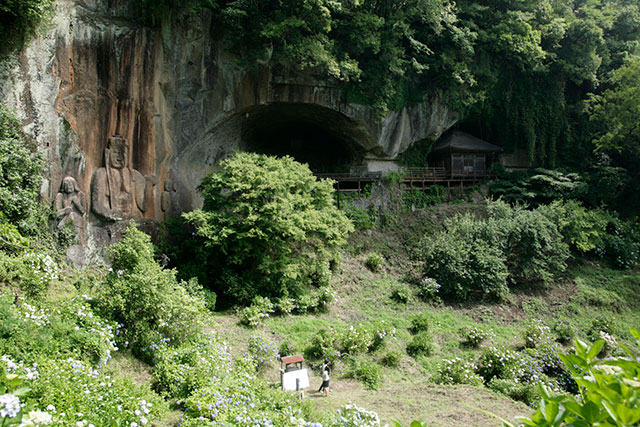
520 72
269 226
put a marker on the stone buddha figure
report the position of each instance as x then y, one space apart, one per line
117 191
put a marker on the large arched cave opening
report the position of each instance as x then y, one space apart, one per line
328 141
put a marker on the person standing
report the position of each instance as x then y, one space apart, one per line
325 380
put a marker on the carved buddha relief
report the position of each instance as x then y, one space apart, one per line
119 192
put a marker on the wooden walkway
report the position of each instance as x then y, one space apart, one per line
409 179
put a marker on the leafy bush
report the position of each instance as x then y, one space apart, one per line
538 187
391 359
428 289
475 257
330 343
536 333
15 379
10 238
68 329
363 219
146 299
499 363
374 261
21 169
356 340
533 246
465 268
609 393
325 297
564 331
475 336
420 323
261 352
601 324
528 393
18 21
183 369
326 344
401 293
583 230
78 394
288 348
351 415
379 333
238 398
368 373
269 225
31 272
422 198
420 345
414 423
621 246
457 371
284 305
259 309
546 360
305 303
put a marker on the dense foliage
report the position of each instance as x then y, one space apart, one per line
522 73
480 257
269 226
608 391
21 168
147 300
19 19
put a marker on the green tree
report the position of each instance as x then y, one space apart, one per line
617 110
146 299
269 225
21 168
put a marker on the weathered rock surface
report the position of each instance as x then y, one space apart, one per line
178 98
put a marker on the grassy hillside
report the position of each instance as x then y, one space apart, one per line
587 292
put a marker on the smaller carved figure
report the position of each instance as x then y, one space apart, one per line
71 204
165 201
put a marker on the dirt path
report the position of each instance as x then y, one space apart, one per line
450 406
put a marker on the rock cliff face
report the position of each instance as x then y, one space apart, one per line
180 102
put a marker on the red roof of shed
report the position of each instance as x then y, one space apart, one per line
292 359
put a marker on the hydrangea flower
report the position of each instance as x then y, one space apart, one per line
10 405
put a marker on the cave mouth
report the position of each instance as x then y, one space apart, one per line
325 139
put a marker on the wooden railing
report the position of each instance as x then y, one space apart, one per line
409 174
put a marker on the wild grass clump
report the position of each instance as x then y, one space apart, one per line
401 293
374 261
420 323
391 359
421 344
368 373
